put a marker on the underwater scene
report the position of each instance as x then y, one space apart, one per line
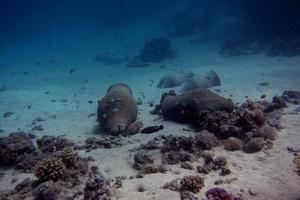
149 100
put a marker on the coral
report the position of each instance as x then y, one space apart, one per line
47 191
206 140
254 145
14 145
175 157
97 188
218 194
141 159
156 50
174 185
267 132
27 161
187 195
233 144
50 144
291 96
191 183
51 168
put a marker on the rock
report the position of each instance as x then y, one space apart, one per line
174 80
254 145
185 108
134 127
207 80
267 132
117 109
233 144
206 140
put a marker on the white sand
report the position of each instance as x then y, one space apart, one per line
271 175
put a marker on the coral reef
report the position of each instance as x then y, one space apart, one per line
144 163
50 144
218 194
95 143
117 109
191 183
14 145
254 145
291 96
233 144
154 51
206 140
97 188
267 132
47 191
51 168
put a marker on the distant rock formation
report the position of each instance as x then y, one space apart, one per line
154 51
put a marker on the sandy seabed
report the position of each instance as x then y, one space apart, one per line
67 102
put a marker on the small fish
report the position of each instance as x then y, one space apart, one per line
152 129
8 114
72 70
264 84
263 96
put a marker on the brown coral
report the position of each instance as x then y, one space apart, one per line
51 168
14 145
192 183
